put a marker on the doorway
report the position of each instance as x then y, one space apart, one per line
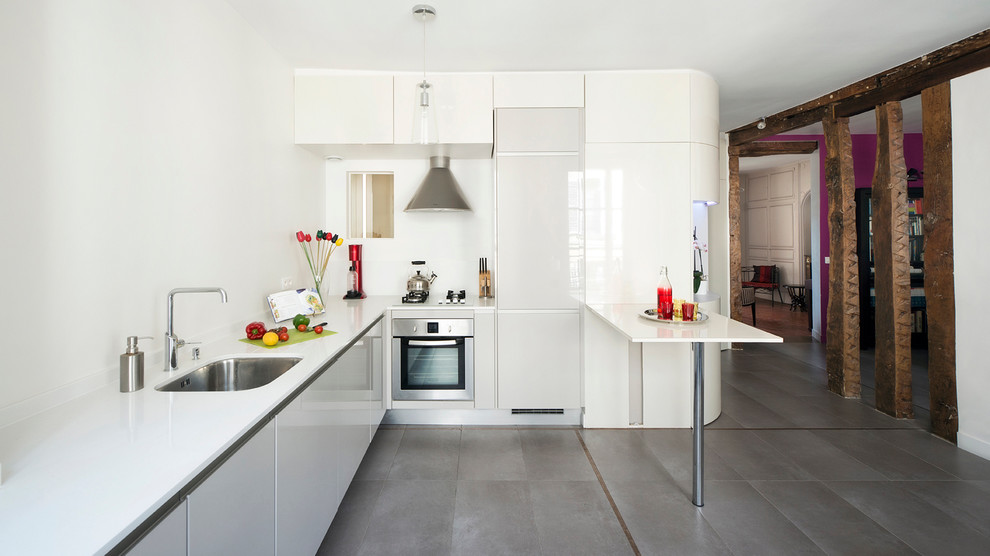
776 229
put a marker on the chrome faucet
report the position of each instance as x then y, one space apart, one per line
172 342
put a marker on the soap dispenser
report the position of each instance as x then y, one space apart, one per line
132 365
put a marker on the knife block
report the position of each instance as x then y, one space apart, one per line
485 283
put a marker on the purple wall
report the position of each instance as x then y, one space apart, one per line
864 149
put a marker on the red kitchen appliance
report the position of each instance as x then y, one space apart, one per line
355 286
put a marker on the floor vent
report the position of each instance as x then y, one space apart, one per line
537 411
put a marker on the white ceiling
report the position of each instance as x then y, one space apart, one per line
767 55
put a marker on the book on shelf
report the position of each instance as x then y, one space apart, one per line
916 226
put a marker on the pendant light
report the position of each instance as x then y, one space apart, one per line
425 114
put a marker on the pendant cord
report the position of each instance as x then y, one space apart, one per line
424 47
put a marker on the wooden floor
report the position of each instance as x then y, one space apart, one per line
779 319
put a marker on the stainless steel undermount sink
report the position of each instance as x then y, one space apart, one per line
231 375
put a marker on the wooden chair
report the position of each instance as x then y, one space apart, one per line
748 296
765 277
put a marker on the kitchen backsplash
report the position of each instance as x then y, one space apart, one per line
449 242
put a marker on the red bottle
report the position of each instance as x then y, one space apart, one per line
665 296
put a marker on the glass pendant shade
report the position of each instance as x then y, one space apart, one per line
424 116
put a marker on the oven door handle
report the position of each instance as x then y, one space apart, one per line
434 342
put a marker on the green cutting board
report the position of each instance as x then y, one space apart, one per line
295 337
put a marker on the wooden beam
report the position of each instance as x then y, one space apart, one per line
898 83
842 341
735 240
892 264
939 280
770 148
794 118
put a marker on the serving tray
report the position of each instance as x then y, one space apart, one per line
651 315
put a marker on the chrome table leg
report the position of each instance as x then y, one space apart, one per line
697 496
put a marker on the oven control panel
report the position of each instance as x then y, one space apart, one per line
411 328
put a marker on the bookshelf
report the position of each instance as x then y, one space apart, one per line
916 245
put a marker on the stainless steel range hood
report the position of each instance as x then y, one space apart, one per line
439 190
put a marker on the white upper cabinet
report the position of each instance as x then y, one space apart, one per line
704 109
539 90
538 130
463 104
704 173
344 109
639 107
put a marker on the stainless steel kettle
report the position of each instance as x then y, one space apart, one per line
421 278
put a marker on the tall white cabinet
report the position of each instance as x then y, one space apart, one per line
651 151
539 190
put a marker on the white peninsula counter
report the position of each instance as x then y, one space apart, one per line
664 371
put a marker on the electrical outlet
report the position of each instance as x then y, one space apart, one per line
286 283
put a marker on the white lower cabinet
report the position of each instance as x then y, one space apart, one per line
233 510
323 435
306 473
484 360
539 360
279 492
167 538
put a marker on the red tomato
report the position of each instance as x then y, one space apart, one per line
301 328
318 329
283 336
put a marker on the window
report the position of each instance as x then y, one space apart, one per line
370 205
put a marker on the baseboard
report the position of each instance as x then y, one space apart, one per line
973 445
477 417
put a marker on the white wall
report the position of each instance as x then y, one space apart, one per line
145 146
970 182
450 242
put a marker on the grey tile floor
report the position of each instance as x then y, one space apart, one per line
790 469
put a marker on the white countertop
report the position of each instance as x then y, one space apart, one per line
624 317
81 476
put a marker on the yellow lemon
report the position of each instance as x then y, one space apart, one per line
270 338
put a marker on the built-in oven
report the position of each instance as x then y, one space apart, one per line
432 359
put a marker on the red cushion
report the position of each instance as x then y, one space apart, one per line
763 274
